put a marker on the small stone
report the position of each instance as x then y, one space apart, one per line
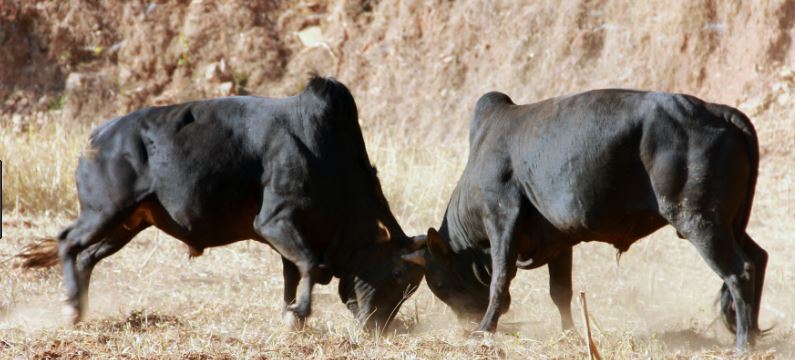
226 88
785 72
211 73
783 99
754 105
311 36
74 81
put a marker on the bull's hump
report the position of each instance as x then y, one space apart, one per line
492 99
485 109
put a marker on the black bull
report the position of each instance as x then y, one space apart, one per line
292 173
607 165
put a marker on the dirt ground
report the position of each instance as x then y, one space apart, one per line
416 69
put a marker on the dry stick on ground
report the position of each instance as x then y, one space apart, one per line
593 352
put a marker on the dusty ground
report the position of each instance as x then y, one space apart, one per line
416 69
151 301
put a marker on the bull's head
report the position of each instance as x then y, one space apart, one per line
386 273
460 279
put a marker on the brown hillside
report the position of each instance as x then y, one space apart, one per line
437 54
416 67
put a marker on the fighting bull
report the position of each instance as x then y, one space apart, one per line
607 165
292 173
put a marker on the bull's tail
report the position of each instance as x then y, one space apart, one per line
42 253
742 123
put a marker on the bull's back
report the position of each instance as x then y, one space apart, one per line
190 168
594 164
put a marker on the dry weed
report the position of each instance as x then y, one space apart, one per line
150 301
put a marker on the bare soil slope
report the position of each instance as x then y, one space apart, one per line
416 66
416 69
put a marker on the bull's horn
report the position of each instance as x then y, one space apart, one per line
383 233
478 274
416 257
524 263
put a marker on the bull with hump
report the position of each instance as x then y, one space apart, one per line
606 165
292 173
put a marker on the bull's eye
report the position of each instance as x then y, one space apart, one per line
397 273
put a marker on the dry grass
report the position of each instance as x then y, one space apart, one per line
150 301
416 69
39 162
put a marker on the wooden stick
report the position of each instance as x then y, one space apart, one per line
593 352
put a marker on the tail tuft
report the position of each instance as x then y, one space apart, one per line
42 253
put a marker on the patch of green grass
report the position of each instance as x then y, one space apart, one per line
240 80
58 103
184 56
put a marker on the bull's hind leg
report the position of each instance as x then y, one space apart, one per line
759 257
715 241
560 286
86 233
89 257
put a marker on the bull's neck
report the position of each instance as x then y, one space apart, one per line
357 236
455 228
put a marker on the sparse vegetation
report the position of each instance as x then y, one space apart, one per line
416 70
58 102
151 301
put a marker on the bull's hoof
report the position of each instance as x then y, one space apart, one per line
72 314
742 348
300 310
480 337
293 322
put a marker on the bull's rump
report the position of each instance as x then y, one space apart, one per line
610 165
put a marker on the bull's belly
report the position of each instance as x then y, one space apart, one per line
198 231
612 206
621 228
542 238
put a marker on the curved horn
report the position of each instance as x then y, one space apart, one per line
477 274
384 235
416 257
522 264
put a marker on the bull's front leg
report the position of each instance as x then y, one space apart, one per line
291 279
280 230
501 220
303 304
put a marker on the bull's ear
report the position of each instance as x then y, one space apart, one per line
436 244
383 233
416 257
